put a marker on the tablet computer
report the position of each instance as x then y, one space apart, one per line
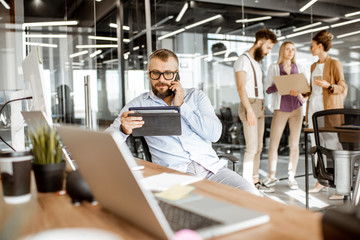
159 121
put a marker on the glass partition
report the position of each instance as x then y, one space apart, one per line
208 36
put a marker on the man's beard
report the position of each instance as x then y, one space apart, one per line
258 54
161 95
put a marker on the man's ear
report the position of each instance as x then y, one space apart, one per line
259 43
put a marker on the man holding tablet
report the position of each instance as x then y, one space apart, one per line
190 152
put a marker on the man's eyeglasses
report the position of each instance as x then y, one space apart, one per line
155 75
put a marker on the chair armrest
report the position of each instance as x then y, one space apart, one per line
229 157
313 150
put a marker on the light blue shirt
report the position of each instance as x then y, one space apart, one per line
200 127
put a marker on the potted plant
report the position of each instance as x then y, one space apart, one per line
48 164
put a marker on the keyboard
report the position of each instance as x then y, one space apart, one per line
179 218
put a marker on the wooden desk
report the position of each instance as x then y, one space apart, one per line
49 211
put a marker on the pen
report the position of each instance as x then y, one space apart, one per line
137 168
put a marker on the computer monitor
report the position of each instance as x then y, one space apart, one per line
34 79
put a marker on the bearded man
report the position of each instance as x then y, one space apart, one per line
249 83
192 151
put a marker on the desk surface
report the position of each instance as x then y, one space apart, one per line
48 211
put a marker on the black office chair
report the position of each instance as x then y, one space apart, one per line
340 166
141 149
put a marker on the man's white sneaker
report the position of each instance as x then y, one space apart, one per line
270 182
293 185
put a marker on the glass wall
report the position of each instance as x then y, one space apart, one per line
109 40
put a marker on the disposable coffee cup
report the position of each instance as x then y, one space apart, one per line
15 168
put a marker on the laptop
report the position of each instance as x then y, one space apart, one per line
106 166
35 119
159 121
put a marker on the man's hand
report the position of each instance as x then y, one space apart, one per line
179 93
128 123
251 117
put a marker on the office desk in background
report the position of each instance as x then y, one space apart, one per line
48 211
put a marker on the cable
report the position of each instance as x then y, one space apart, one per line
2 108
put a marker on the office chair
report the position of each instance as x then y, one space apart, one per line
146 155
229 130
337 138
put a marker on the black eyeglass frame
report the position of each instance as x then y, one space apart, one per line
163 74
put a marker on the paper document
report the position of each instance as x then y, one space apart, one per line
163 181
176 192
285 83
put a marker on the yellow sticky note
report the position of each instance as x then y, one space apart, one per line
175 192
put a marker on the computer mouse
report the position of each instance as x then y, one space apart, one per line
78 189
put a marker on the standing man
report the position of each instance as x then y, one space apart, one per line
251 109
192 151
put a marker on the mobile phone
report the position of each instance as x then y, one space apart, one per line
177 78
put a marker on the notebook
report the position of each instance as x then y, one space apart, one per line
159 121
36 118
106 166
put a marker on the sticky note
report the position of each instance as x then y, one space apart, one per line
175 192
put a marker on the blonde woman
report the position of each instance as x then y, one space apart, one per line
327 88
287 108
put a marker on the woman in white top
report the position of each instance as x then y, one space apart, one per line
327 88
287 108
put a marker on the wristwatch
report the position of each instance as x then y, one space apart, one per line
330 87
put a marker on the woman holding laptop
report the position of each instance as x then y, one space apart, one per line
286 108
327 88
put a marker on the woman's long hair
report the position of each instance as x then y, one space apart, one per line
282 50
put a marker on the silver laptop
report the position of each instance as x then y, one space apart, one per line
36 118
106 166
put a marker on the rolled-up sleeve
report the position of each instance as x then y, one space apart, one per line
201 117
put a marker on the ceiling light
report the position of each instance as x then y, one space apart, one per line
231 59
352 14
337 43
348 34
98 46
182 12
306 31
78 54
41 44
48 24
114 25
307 5
5 4
103 38
110 61
136 48
125 40
253 19
218 30
45 35
307 26
345 23
95 53
190 26
203 21
281 38
355 47
171 34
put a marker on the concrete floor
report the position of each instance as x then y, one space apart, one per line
317 201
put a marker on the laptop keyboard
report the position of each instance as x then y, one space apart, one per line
179 218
